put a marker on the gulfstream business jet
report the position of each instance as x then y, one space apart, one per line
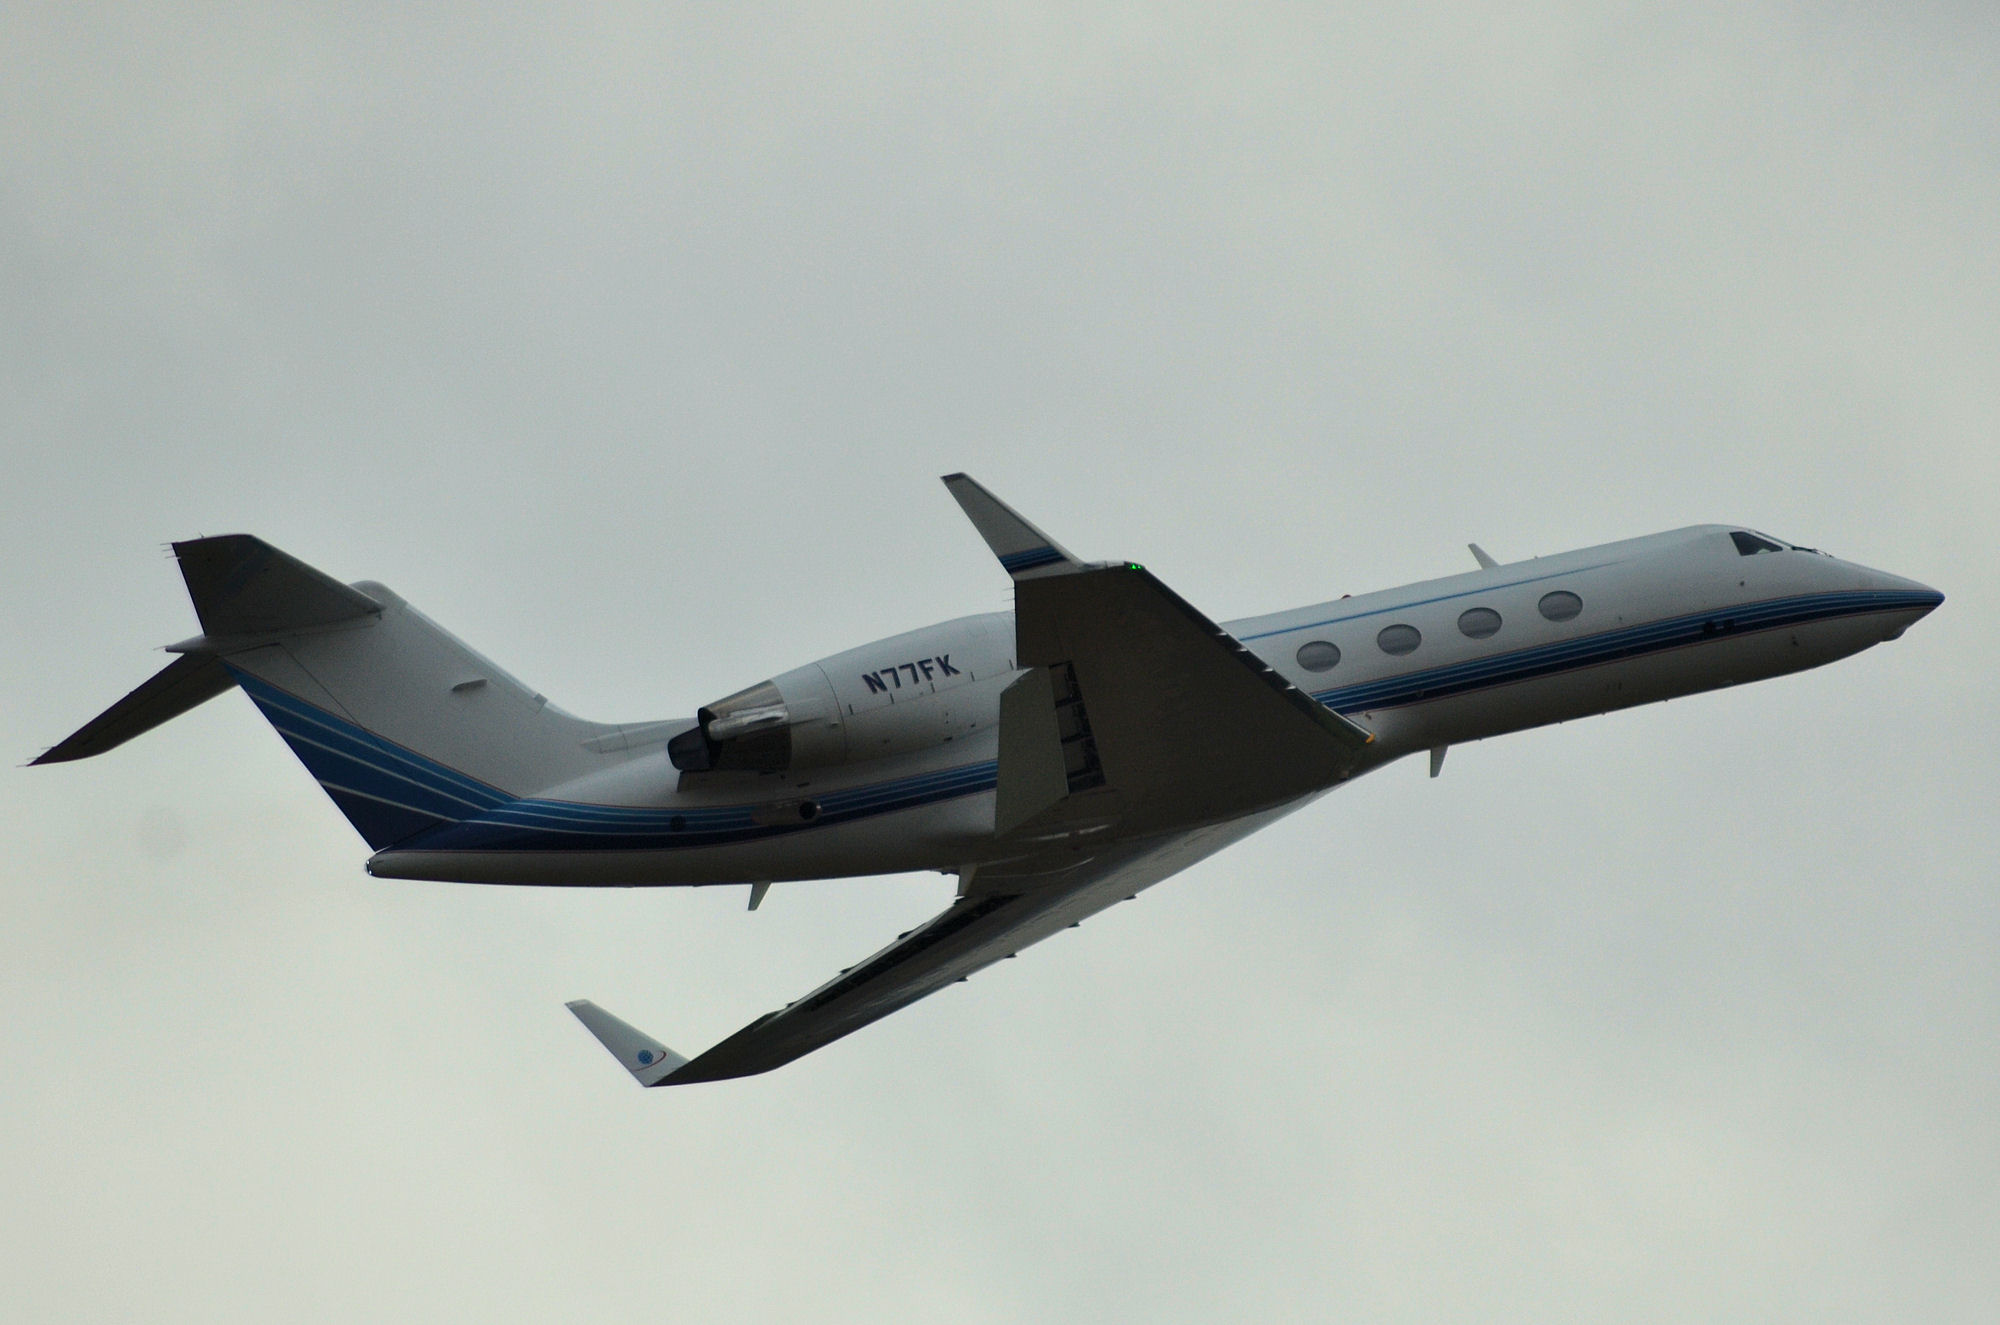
1057 759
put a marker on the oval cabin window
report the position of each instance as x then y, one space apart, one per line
1318 656
1398 640
1562 605
1479 623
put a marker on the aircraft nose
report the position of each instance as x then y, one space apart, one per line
1919 597
1904 602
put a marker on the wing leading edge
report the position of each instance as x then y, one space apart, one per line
1140 738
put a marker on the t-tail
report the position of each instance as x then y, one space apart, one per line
405 727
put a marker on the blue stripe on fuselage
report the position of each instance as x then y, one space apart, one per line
397 797
425 804
392 771
389 793
1612 646
543 825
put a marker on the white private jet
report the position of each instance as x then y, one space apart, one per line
1059 758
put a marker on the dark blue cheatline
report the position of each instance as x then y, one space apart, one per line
1613 645
544 825
388 768
397 797
388 792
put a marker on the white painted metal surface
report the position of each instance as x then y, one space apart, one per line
1139 735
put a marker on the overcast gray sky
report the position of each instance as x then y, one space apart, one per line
629 345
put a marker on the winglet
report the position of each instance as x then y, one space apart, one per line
649 1061
1023 550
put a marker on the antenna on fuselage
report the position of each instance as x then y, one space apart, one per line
1479 555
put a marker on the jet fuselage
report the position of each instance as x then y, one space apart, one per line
888 753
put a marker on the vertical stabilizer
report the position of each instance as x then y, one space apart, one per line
405 727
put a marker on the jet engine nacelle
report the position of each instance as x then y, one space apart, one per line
891 697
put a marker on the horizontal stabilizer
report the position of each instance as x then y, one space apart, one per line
243 586
643 1056
187 681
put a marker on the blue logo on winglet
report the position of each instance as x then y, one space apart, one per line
645 1057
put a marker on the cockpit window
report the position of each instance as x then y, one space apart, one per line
1749 544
